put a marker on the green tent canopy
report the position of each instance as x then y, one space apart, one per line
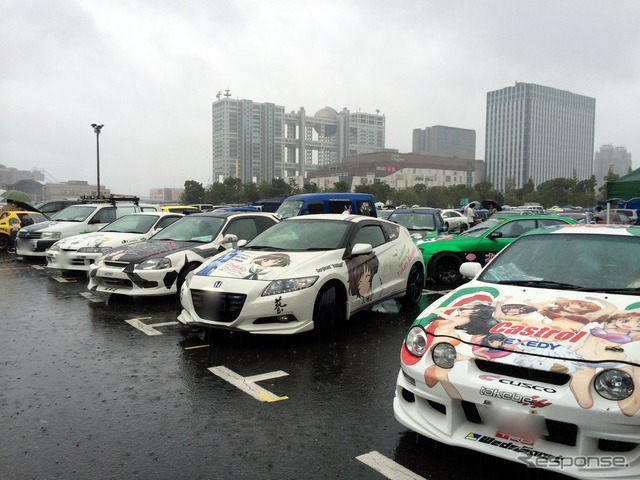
625 187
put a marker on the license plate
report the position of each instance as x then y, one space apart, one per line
527 425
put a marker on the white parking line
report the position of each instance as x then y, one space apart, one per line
436 292
91 297
60 279
148 328
388 468
248 385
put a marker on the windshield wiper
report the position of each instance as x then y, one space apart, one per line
541 284
263 247
623 290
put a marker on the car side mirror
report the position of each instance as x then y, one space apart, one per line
242 243
361 249
495 235
470 269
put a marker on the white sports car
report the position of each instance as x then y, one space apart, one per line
456 221
537 358
307 272
159 265
79 252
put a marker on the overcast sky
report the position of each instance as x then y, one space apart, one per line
149 71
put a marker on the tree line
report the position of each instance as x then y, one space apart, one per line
559 191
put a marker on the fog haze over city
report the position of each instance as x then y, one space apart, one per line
149 71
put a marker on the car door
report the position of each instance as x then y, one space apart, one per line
374 275
102 217
508 231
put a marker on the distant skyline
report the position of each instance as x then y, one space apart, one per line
150 71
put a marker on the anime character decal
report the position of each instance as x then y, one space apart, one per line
247 265
570 336
364 281
261 265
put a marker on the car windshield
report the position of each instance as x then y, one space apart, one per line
481 228
302 235
36 217
192 228
131 224
289 208
74 213
413 220
607 263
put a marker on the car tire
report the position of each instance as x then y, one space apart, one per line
328 310
415 285
5 242
464 227
183 275
445 269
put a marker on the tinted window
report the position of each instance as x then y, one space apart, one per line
243 228
371 234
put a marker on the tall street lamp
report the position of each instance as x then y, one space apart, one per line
97 128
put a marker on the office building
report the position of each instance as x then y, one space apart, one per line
611 159
445 141
539 133
257 142
401 170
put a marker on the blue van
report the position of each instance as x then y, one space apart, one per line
312 203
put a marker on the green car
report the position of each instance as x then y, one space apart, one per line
444 255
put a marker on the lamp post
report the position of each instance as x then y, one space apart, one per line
96 129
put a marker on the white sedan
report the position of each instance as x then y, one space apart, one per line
537 358
79 252
456 221
159 265
307 272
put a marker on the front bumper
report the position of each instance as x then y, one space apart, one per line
247 310
591 444
139 283
71 260
29 247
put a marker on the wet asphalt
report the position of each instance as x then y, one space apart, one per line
117 389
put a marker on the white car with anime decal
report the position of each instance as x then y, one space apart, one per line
79 252
537 359
307 272
159 265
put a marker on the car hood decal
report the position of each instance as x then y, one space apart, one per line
260 265
98 239
141 251
542 329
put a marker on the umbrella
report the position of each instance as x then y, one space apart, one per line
15 195
487 203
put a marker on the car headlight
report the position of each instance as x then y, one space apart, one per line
614 384
444 355
289 285
154 264
416 341
55 247
51 235
93 249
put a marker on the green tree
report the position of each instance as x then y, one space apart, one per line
193 193
610 177
341 187
309 187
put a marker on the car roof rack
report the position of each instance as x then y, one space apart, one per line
112 199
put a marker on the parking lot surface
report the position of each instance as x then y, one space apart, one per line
117 389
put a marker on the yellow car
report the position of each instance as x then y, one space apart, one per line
184 209
13 221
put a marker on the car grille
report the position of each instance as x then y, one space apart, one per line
117 282
116 264
554 378
217 306
27 234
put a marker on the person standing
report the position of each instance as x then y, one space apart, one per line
470 213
